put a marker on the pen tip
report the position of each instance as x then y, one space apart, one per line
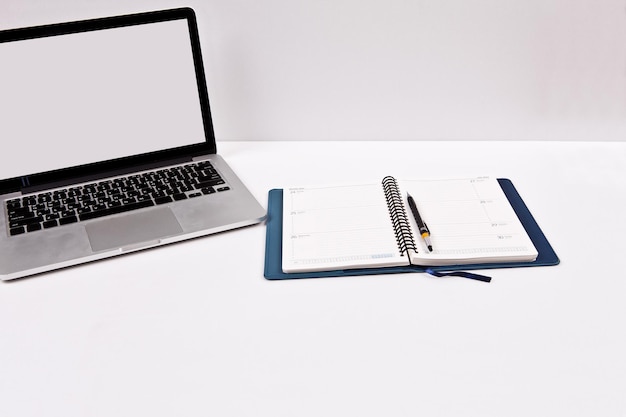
430 248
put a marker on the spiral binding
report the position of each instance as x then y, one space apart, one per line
399 219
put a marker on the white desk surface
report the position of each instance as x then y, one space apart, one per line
194 329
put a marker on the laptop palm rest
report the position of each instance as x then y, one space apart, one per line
133 231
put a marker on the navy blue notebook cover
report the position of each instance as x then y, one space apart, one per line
274 241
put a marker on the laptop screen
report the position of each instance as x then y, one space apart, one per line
85 97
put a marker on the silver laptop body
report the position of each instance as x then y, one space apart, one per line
87 104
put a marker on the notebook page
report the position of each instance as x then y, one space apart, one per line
340 227
470 221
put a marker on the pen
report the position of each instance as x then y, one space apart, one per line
423 229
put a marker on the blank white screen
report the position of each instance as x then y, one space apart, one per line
80 98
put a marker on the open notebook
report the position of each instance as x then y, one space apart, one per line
369 226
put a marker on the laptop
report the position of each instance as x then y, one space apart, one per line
108 141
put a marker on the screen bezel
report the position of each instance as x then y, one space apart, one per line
119 166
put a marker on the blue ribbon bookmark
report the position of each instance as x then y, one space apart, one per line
459 274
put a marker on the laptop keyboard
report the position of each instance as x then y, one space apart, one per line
113 196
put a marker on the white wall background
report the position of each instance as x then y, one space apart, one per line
398 69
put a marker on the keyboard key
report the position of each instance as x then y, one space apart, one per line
33 227
43 212
68 220
163 200
17 231
50 223
44 198
128 200
14 204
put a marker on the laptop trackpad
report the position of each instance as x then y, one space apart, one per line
133 229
